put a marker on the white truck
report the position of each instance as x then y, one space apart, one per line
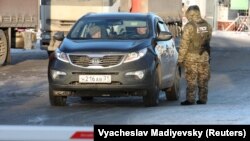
60 15
169 10
19 22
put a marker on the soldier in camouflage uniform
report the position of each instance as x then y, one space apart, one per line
194 55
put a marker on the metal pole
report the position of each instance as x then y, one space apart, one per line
248 8
215 22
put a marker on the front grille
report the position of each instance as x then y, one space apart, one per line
96 73
88 61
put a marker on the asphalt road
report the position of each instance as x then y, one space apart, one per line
24 94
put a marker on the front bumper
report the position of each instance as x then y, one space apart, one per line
120 82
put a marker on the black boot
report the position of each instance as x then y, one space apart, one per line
201 102
186 102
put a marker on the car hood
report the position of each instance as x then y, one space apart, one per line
74 46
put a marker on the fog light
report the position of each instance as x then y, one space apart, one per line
139 74
56 74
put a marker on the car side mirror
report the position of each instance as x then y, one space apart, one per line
164 36
59 36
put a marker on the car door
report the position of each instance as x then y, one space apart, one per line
172 51
166 55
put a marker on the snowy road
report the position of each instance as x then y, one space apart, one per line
24 94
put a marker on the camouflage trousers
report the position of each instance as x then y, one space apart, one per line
197 76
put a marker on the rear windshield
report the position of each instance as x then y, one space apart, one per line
110 29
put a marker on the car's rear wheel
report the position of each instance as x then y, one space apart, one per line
173 93
57 100
152 96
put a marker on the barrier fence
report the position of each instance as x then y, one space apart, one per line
46 133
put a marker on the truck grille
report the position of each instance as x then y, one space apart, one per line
103 61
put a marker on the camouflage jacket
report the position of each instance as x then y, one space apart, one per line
190 44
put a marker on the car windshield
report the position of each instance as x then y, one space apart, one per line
110 29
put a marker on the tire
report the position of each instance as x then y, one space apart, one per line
88 98
173 93
3 48
56 100
152 96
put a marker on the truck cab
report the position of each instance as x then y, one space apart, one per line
58 15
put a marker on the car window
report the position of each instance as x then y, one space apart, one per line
110 29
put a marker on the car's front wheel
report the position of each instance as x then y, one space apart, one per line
173 93
56 100
152 96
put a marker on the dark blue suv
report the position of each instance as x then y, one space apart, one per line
115 54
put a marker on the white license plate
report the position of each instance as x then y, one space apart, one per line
95 78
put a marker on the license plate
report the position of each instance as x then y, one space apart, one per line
95 78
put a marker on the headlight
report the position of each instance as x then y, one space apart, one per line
61 56
135 55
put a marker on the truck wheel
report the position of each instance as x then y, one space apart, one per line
173 93
152 96
56 100
87 98
3 48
